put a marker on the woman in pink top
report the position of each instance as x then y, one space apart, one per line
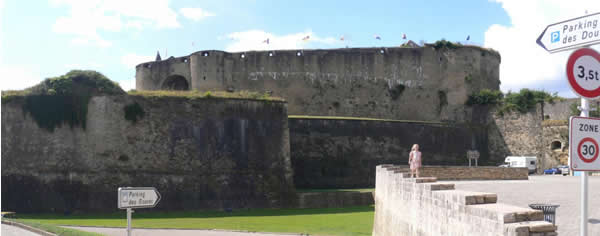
414 160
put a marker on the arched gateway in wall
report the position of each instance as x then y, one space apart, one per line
175 82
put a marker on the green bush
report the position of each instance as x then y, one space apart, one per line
134 112
445 44
522 101
64 99
485 97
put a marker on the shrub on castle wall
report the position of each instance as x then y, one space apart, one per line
523 101
63 99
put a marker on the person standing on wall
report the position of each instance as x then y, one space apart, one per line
414 160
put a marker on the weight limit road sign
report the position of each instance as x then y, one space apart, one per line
138 197
583 143
569 34
583 72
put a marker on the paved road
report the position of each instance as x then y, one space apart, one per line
9 230
562 190
170 232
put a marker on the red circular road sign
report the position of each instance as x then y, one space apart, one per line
588 150
583 68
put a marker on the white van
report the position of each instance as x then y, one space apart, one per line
522 161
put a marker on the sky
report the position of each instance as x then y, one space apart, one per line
47 38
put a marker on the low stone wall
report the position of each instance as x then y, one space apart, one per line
334 199
471 173
420 206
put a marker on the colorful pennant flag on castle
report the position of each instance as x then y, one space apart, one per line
266 41
342 38
306 38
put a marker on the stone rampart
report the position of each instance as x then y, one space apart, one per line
423 83
343 153
516 134
199 153
420 206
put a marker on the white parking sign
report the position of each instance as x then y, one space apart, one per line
583 143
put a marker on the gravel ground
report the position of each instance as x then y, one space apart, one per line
554 189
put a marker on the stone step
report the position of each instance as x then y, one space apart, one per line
467 197
438 186
421 180
532 228
403 174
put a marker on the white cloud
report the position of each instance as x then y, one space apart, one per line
524 63
195 14
17 77
128 84
87 18
131 60
254 40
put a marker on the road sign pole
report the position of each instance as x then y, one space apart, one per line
585 108
129 210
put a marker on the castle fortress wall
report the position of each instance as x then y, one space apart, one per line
397 83
198 153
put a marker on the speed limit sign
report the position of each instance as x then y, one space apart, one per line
583 143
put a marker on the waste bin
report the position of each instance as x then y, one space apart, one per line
548 209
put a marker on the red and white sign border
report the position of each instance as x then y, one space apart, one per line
577 89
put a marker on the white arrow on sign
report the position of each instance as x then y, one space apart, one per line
572 33
583 143
138 197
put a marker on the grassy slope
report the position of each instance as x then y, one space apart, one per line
327 221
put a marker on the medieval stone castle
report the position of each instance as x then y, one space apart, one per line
345 111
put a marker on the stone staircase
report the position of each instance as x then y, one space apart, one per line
422 206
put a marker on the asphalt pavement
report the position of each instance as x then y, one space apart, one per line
9 230
550 189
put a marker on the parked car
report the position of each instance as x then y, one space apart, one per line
552 171
564 169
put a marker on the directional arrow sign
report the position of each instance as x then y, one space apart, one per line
138 197
572 33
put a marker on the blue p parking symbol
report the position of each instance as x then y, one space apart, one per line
555 37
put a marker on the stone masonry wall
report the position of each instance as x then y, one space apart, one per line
343 153
201 153
470 173
560 110
408 206
421 83
515 134
555 146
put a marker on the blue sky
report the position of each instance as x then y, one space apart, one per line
53 37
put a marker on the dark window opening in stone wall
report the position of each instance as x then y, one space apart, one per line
175 82
556 145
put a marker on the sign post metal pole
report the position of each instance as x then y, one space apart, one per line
585 108
136 197
129 210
